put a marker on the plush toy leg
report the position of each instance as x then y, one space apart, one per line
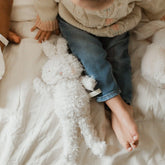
92 140
71 141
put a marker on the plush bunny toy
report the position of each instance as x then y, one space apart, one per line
153 62
61 76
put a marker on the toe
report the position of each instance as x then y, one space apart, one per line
136 143
135 138
133 145
134 134
128 147
126 144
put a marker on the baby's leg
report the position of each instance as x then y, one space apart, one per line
117 55
122 119
89 49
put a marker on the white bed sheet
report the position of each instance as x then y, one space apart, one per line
30 133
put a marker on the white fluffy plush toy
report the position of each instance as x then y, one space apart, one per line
153 61
61 76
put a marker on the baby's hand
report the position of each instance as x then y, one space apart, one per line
41 35
163 18
13 37
44 35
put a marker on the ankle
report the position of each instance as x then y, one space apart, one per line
116 104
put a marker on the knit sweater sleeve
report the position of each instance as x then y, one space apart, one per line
47 11
154 9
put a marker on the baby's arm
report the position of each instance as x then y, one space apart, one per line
46 20
5 10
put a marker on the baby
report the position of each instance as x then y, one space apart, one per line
97 34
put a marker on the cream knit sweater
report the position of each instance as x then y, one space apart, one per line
120 16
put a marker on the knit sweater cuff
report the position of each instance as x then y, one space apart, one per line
46 25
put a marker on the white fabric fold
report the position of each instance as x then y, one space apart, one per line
2 64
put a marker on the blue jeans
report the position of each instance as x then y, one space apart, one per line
105 59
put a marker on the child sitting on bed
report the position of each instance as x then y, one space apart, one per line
97 34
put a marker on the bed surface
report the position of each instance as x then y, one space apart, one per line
30 133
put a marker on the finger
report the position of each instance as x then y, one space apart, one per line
33 28
13 37
42 36
38 34
48 34
57 31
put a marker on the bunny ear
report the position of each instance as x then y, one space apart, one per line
62 47
49 49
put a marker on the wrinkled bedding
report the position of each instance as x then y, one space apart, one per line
30 133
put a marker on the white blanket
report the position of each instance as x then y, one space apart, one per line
30 133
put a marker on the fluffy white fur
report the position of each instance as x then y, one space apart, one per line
153 62
148 63
61 77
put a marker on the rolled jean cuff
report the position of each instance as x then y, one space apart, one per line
108 96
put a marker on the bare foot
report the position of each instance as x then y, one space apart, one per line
123 123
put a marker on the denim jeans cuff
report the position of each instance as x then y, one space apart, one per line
108 96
